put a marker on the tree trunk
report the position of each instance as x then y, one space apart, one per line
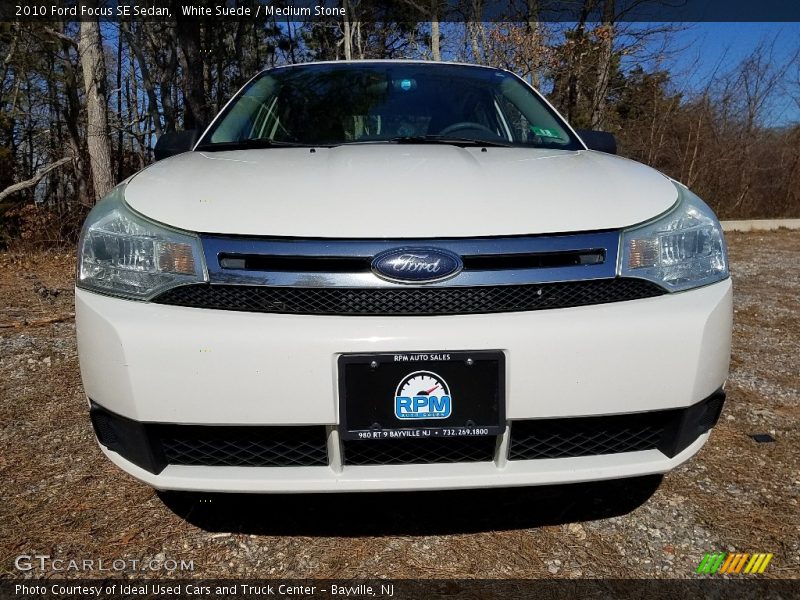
605 55
534 32
12 48
575 76
291 40
472 32
436 51
188 32
72 111
147 81
348 35
90 50
120 140
359 45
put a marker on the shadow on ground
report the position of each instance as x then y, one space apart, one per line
410 513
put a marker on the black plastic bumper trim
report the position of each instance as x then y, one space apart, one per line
669 431
152 446
132 440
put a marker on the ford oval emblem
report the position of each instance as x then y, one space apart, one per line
416 265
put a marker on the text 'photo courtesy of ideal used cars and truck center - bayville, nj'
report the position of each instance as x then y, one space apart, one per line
396 276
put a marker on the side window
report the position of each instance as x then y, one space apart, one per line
265 121
530 121
479 108
359 127
510 116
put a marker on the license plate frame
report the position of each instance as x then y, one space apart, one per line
375 401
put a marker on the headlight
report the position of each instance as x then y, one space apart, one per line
123 254
680 250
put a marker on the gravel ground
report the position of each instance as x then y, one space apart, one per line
62 498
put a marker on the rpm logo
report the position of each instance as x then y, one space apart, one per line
422 395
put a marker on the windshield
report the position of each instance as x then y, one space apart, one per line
334 104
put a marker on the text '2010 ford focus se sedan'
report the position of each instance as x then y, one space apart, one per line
398 276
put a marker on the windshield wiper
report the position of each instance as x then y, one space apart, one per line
248 144
253 143
440 139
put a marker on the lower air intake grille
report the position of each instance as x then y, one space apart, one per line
589 436
409 301
245 446
419 451
153 446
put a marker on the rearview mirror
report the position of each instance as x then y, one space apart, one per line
598 140
175 142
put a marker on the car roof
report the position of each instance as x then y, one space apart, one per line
374 61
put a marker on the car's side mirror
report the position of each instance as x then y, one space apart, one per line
598 140
175 142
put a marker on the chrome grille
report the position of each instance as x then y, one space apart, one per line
342 263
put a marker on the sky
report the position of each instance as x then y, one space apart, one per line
702 48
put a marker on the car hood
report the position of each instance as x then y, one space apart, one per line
398 191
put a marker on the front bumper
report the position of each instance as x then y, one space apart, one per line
163 364
408 477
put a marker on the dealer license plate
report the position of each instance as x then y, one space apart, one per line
421 394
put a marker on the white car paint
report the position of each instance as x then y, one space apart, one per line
167 364
399 191
250 368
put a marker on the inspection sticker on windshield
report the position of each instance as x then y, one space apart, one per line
542 132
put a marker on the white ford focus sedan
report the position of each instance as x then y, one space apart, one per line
399 276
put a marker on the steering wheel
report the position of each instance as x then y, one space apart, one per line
466 125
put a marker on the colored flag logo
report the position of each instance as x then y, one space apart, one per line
729 562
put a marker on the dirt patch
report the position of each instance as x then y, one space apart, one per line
61 497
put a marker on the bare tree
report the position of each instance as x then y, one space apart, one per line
188 34
605 40
732 138
433 12
436 51
534 31
149 87
757 78
40 174
348 34
90 50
